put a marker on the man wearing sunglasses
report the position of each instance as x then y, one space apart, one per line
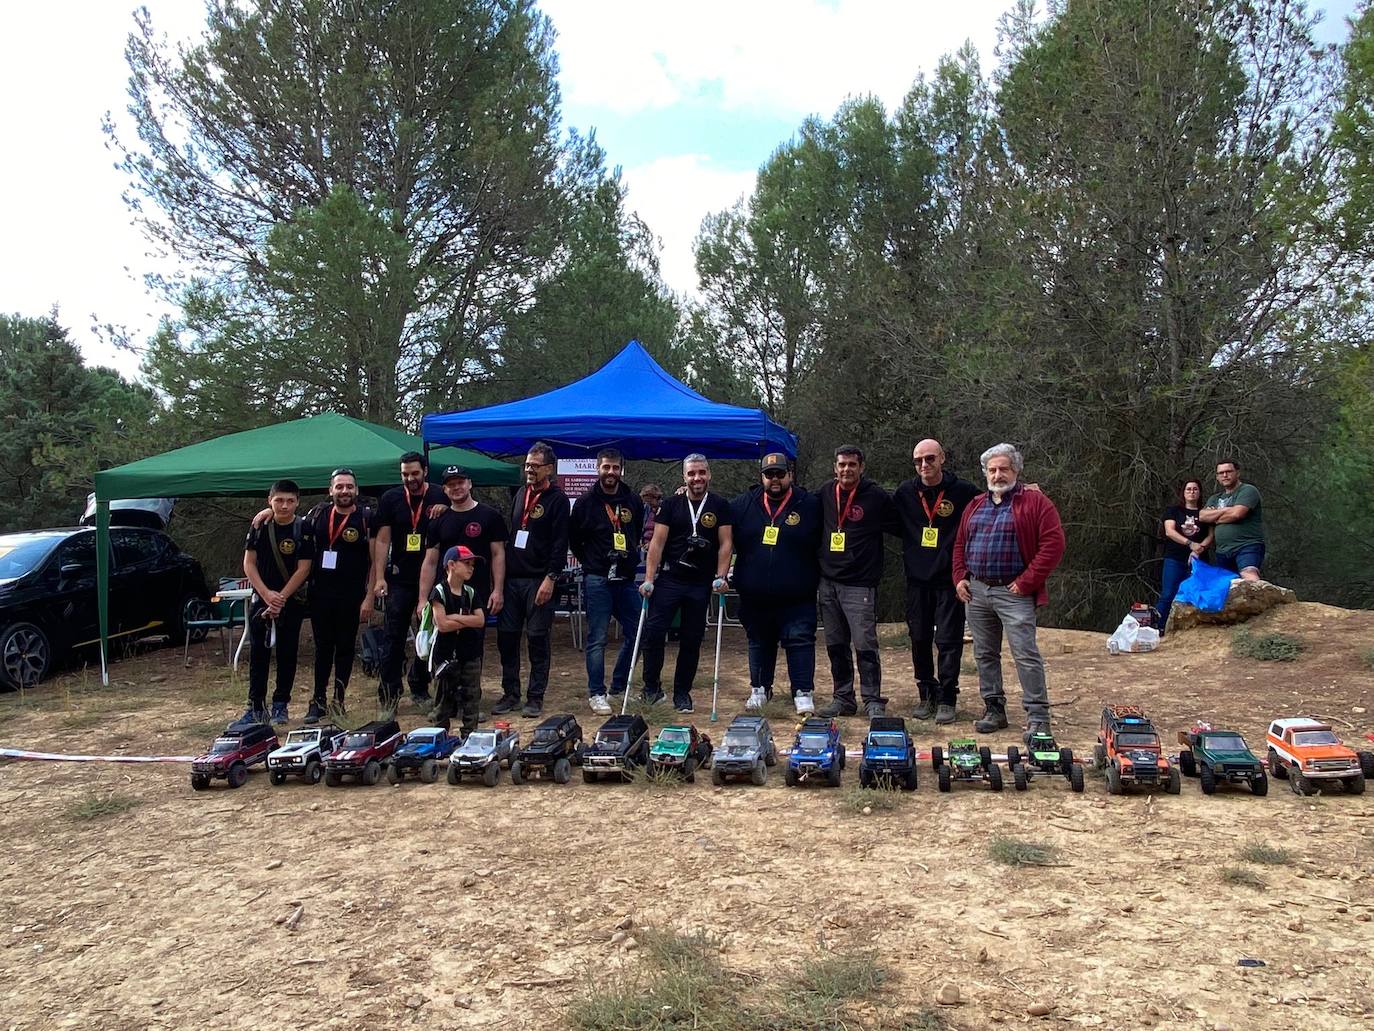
537 556
776 536
929 507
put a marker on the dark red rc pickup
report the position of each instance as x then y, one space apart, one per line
239 747
363 752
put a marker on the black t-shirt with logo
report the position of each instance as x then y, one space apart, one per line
681 559
348 542
1185 522
295 544
478 528
397 510
869 515
464 644
546 548
938 508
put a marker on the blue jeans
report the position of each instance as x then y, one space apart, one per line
605 598
769 622
1176 570
1242 558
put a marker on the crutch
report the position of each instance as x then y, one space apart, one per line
715 683
634 655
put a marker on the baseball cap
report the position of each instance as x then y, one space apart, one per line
458 553
454 472
774 461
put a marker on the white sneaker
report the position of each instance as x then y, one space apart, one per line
756 699
804 704
599 704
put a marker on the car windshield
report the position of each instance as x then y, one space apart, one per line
675 737
1225 742
611 738
1315 737
813 742
545 737
422 739
22 552
225 744
481 739
1135 740
887 740
358 741
302 737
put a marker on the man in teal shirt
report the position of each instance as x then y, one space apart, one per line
1235 511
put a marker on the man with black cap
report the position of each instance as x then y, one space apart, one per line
537 556
399 526
776 534
689 557
474 525
604 530
856 512
929 507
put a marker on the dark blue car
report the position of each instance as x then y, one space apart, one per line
817 752
421 754
889 755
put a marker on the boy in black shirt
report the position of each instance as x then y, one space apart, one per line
457 656
276 559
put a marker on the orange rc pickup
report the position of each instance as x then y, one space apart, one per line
1304 750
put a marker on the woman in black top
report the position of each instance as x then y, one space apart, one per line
1184 538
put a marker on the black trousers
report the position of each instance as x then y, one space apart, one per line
288 627
935 617
334 624
401 601
521 616
671 596
458 688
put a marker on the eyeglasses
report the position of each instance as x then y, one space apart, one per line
927 459
774 474
536 465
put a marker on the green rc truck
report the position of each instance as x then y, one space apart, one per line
1043 756
965 761
1220 757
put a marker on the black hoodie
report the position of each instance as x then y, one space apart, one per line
787 570
590 529
947 500
870 514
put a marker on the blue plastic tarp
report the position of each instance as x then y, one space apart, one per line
1206 587
629 403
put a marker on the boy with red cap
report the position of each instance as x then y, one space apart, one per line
457 656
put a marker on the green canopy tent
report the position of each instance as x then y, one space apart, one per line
245 464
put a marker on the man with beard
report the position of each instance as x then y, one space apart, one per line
691 547
537 556
929 507
1010 540
604 531
476 526
855 513
340 596
776 533
399 525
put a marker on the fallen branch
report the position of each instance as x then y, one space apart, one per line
256 897
543 982
306 962
995 934
232 987
1334 719
1009 981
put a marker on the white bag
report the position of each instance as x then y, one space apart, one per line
1130 636
424 637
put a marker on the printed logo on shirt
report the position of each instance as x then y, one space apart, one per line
856 512
708 519
473 529
287 546
537 512
945 508
351 535
792 519
624 514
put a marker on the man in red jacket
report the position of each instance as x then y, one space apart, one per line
1010 540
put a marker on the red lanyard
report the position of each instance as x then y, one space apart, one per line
613 516
930 511
531 499
773 516
415 513
333 533
842 514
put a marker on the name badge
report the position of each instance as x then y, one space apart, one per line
930 537
413 542
329 560
618 542
522 538
837 541
770 535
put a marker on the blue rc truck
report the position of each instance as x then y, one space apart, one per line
817 752
889 758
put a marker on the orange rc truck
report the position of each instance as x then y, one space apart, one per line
1304 750
1129 750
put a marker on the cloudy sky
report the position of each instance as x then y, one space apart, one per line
689 99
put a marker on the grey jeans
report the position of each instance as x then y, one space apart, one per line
850 616
993 611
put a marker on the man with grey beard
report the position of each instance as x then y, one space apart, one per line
1010 540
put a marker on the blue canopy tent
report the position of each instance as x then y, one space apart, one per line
629 403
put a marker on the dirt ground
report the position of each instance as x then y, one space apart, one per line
467 907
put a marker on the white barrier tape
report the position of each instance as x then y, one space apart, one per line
21 753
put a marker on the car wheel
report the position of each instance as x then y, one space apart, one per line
332 778
1066 761
1013 755
1207 780
238 775
937 757
843 757
1019 779
588 776
1300 784
1276 766
453 775
1175 785
1100 756
689 770
562 771
313 771
833 775
517 772
192 608
995 777
1113 779
372 772
790 777
943 778
1076 778
1259 785
759 775
491 773
1187 764
199 782
985 757
909 780
718 778
1355 784
772 758
393 774
429 771
25 655
1367 764
276 777
865 778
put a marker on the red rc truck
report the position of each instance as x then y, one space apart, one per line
239 747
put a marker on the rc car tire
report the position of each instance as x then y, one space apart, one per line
199 782
1207 780
865 778
1013 755
771 759
1260 785
491 773
372 772
562 771
313 771
717 778
689 770
454 777
942 778
393 774
1018 778
1187 764
1276 766
332 778
985 757
1113 779
1066 761
1076 778
1175 785
995 777
1367 763
842 757
1300 784
790 778
834 774
517 772
1355 784
238 775
429 771
1100 756
909 780
758 775
277 778
588 776
937 757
